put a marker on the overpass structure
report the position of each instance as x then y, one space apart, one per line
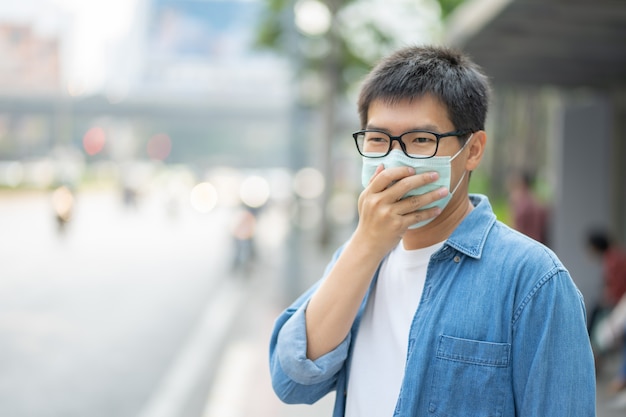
199 128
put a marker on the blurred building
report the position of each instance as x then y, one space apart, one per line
200 56
205 47
20 49
576 51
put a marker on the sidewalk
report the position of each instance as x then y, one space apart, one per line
242 385
610 405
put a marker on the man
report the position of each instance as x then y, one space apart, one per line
433 307
529 215
606 323
613 259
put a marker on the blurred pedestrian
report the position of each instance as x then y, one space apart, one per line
609 332
530 216
433 307
243 233
613 259
63 206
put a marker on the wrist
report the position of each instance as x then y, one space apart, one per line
370 247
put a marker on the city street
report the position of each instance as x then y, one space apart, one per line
93 321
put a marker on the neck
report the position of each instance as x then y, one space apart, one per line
442 227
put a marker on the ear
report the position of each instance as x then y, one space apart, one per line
476 150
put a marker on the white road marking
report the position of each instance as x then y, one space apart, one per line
233 376
171 396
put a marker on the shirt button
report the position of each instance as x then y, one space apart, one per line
457 259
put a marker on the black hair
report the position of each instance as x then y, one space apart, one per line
444 73
599 240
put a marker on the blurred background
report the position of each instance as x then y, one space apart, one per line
174 172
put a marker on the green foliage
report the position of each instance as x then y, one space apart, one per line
270 29
481 184
447 6
274 30
272 33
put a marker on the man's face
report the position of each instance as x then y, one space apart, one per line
425 113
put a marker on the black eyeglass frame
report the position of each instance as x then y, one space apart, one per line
439 136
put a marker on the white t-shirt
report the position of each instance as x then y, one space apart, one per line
380 349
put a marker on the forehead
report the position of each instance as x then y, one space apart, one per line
426 112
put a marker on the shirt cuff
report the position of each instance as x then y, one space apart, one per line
291 351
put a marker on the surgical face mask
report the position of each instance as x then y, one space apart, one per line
440 164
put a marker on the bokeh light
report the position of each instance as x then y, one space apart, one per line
94 140
11 173
307 215
280 182
254 191
312 17
273 227
159 147
203 197
342 208
227 182
41 173
309 183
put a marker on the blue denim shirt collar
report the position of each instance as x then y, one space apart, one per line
470 236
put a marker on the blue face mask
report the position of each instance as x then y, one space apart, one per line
440 164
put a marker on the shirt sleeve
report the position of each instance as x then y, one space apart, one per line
295 378
553 366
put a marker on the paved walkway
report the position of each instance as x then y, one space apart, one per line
608 404
242 384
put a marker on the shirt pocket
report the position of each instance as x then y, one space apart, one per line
470 378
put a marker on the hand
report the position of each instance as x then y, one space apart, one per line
384 216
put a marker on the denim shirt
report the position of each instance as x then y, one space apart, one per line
499 332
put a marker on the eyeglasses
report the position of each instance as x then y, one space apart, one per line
418 144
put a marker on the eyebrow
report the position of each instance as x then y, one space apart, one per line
427 127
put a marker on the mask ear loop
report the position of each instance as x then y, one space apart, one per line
458 183
462 147
464 171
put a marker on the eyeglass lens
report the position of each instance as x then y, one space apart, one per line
415 143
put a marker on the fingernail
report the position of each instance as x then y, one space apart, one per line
443 192
434 175
411 170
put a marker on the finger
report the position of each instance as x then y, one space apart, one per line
401 187
418 202
389 176
421 215
380 168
